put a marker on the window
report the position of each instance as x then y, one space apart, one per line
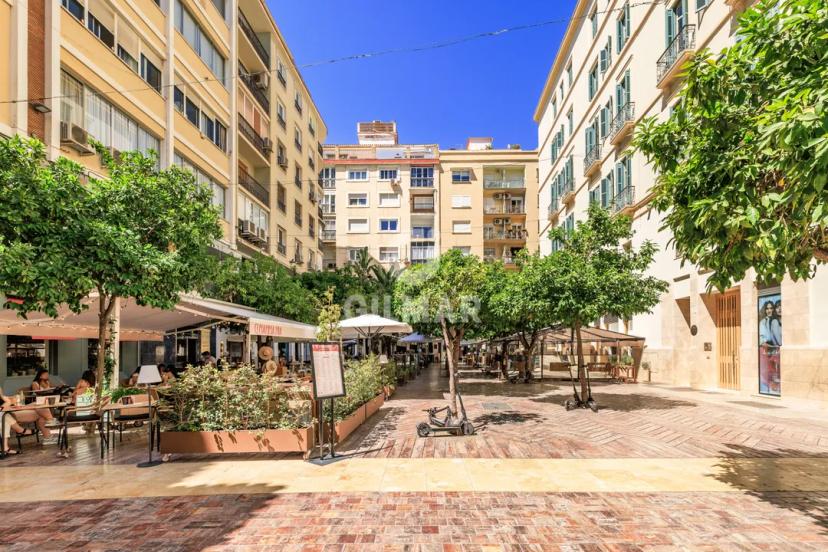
297 213
198 40
389 200
622 91
280 113
74 7
281 197
150 73
568 76
422 252
280 72
358 174
388 174
297 138
311 226
297 101
281 154
423 203
676 14
253 212
219 191
593 20
178 99
701 4
570 120
461 227
389 225
281 243
354 253
358 200
193 113
605 56
593 81
622 27
220 6
422 177
606 192
358 226
422 232
554 107
297 176
623 175
605 116
127 58
389 254
24 355
461 202
312 126
461 175
464 249
328 177
99 30
213 130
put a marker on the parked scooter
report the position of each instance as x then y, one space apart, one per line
577 401
450 423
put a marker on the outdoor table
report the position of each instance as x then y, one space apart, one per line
6 410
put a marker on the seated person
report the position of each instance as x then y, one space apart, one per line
208 359
133 379
166 372
12 422
86 382
41 381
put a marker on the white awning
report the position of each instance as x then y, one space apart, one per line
140 323
370 325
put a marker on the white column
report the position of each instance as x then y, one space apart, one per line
52 80
19 69
233 82
168 147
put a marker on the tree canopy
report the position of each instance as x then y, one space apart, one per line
598 273
139 232
743 159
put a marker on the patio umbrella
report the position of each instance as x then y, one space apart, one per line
415 338
371 325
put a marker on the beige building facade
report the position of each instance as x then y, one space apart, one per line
488 201
618 63
406 204
209 85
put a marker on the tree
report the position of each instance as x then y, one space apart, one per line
446 293
344 284
328 321
743 159
139 232
363 265
520 303
264 284
596 274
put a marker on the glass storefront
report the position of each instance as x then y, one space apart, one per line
24 355
770 341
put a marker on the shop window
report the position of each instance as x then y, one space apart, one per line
24 355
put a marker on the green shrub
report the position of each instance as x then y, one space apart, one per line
364 380
117 394
206 399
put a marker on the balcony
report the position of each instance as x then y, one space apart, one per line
327 208
261 144
281 248
567 191
503 234
297 256
254 84
623 201
253 186
328 183
423 182
422 207
592 160
422 233
328 235
503 184
504 210
622 124
552 211
248 31
677 53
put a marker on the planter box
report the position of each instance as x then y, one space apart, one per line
220 442
373 405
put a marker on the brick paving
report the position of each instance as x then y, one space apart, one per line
639 421
424 521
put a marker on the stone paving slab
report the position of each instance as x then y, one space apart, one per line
444 522
416 475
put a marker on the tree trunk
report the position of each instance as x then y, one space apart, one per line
581 367
503 362
105 306
529 346
452 339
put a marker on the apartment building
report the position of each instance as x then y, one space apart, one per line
382 196
488 200
619 62
209 85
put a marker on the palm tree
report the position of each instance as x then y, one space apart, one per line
362 266
385 278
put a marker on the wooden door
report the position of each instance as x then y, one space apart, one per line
729 338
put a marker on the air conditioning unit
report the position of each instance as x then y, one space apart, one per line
282 160
267 145
262 80
75 137
498 196
507 196
247 229
507 220
262 234
498 221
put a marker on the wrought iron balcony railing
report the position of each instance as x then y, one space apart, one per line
253 186
256 90
254 40
683 41
592 157
624 116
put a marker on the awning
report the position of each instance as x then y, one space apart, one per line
141 323
371 325
589 334
416 338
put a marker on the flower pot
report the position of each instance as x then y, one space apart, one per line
222 442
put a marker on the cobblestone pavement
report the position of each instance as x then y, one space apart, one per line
636 422
528 421
424 521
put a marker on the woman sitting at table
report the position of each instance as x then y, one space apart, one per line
41 381
167 375
86 382
11 422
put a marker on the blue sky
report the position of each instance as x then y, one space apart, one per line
486 87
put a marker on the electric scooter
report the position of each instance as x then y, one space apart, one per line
450 423
576 401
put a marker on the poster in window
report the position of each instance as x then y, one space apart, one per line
328 376
770 342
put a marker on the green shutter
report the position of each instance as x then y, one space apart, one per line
670 25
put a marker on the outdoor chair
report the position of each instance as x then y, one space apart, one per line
136 411
81 414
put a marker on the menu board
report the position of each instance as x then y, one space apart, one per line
328 376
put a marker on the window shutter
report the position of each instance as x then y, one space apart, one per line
628 172
609 51
626 21
604 62
627 90
670 25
